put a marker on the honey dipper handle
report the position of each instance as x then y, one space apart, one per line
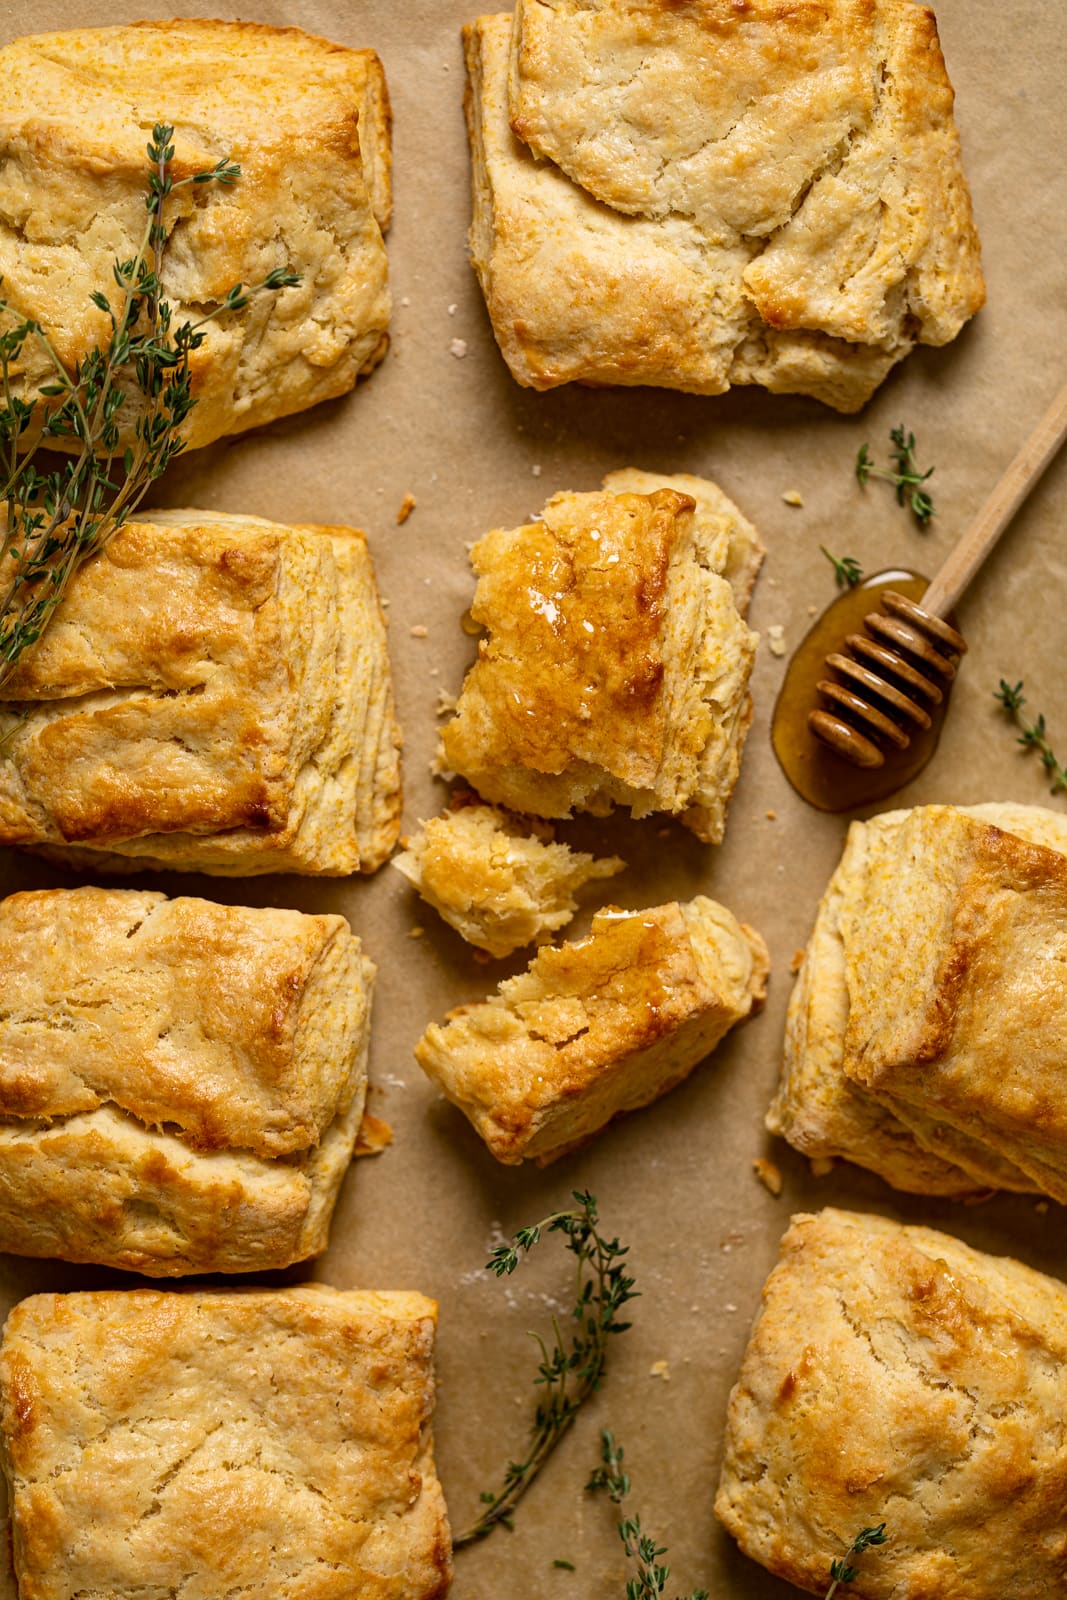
1009 494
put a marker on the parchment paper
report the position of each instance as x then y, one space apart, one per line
675 1181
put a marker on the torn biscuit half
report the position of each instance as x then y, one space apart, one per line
615 664
307 121
897 1377
927 1029
213 694
261 1442
596 1027
181 1083
500 880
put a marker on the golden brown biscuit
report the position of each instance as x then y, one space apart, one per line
307 120
702 195
500 880
597 1027
181 1083
274 1444
928 1017
616 667
213 693
895 1375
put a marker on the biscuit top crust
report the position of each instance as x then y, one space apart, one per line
970 922
815 136
308 123
89 96
710 109
268 1443
177 687
895 1374
575 605
182 1013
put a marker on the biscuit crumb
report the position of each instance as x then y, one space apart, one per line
406 301
776 639
452 310
482 957
663 833
374 1135
458 348
446 704
416 932
813 611
797 962
1041 1207
772 816
420 631
768 1174
821 1165
660 1369
792 497
536 470
407 506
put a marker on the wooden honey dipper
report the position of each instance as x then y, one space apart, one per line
902 668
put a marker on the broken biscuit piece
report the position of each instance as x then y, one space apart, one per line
498 879
597 1027
616 660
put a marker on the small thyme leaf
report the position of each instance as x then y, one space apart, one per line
651 1580
842 1571
574 1367
1032 735
58 518
847 569
565 1566
906 479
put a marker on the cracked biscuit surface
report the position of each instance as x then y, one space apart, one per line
927 1028
307 120
699 195
213 693
616 665
274 1445
597 1027
181 1083
895 1375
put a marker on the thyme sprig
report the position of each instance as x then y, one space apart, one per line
651 1580
847 569
1034 735
58 518
842 1571
574 1367
906 479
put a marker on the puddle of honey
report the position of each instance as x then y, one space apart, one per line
820 776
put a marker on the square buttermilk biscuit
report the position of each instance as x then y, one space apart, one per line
213 694
616 667
500 880
597 1027
896 1375
181 1083
307 120
702 195
275 1445
928 1024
